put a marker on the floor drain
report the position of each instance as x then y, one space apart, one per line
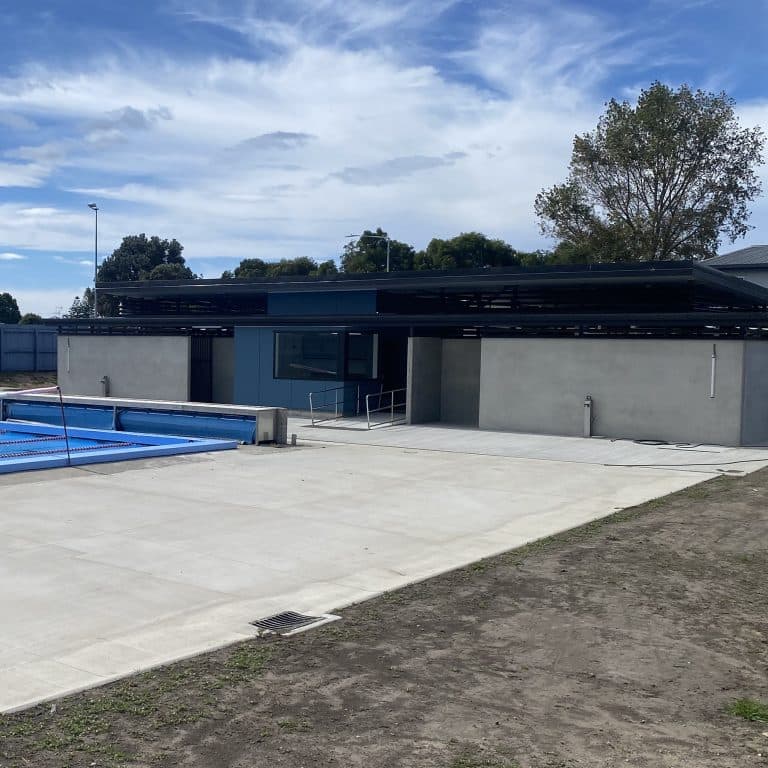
291 622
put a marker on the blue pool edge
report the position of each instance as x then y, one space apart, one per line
151 446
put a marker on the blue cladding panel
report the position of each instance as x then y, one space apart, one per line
241 428
331 303
255 383
254 378
50 413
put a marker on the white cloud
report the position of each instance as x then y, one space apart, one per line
48 303
88 263
221 203
272 157
8 256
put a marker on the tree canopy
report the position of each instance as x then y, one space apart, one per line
253 269
30 318
139 257
664 179
469 250
369 253
83 307
9 309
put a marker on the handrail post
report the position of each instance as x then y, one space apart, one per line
368 410
311 410
392 409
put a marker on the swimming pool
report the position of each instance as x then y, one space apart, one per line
39 446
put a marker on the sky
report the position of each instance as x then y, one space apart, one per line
254 128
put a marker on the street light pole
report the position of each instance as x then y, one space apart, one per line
376 237
95 209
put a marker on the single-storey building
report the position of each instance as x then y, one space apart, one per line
674 351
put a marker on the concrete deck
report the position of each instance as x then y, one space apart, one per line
604 451
110 569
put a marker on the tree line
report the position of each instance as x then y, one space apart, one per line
665 178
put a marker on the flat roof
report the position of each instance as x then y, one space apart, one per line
653 295
660 271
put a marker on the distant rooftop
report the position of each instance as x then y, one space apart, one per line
754 256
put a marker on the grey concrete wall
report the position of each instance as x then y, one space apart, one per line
223 370
424 375
642 389
150 367
460 392
754 414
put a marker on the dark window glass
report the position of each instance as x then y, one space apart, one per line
362 356
307 355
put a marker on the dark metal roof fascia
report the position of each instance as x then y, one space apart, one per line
661 272
655 319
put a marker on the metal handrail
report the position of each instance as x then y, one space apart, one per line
390 407
313 408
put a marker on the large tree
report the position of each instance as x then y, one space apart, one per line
9 309
469 250
145 258
369 253
663 179
138 257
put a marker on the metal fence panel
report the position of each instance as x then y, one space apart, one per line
27 348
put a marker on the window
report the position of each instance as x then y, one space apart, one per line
323 355
362 355
307 355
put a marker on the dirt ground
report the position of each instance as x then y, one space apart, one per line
618 644
27 380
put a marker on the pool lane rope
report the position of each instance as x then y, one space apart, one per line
53 451
48 390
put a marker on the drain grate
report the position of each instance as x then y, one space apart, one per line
290 622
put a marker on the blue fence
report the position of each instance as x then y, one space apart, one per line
27 348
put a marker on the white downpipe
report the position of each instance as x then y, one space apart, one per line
713 373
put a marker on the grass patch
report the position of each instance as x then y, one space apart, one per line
249 659
290 725
94 723
749 709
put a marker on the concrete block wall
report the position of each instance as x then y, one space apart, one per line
460 391
443 381
425 363
654 389
754 414
147 367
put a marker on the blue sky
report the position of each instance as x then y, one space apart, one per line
252 128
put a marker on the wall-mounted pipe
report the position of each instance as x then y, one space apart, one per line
588 416
713 373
